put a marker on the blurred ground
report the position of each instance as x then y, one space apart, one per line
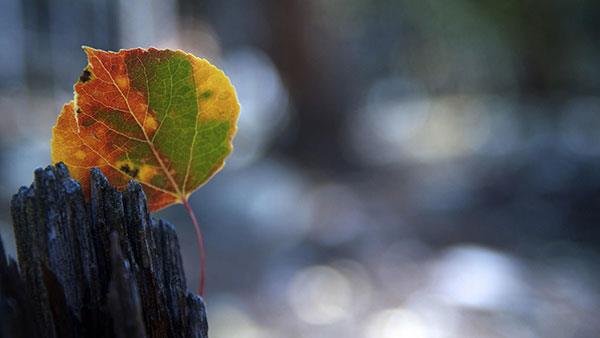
404 169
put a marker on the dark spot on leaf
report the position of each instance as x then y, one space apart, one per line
78 111
85 76
206 94
133 172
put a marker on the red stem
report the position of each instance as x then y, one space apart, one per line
200 240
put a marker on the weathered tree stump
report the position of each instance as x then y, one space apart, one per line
98 269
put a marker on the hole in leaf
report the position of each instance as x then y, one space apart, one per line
85 76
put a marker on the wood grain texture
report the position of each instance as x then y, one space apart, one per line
98 269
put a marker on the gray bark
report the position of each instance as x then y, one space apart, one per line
98 269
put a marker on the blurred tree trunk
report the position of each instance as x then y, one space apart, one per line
318 72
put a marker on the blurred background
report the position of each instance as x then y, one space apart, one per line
403 169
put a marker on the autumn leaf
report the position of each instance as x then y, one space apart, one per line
165 118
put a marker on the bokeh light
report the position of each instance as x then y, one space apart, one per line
320 295
396 323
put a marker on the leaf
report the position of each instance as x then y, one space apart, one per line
163 117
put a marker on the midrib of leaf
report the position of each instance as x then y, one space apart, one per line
179 194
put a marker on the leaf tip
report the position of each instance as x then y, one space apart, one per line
89 50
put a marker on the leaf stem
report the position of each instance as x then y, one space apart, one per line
200 240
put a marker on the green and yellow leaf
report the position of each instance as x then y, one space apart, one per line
163 117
